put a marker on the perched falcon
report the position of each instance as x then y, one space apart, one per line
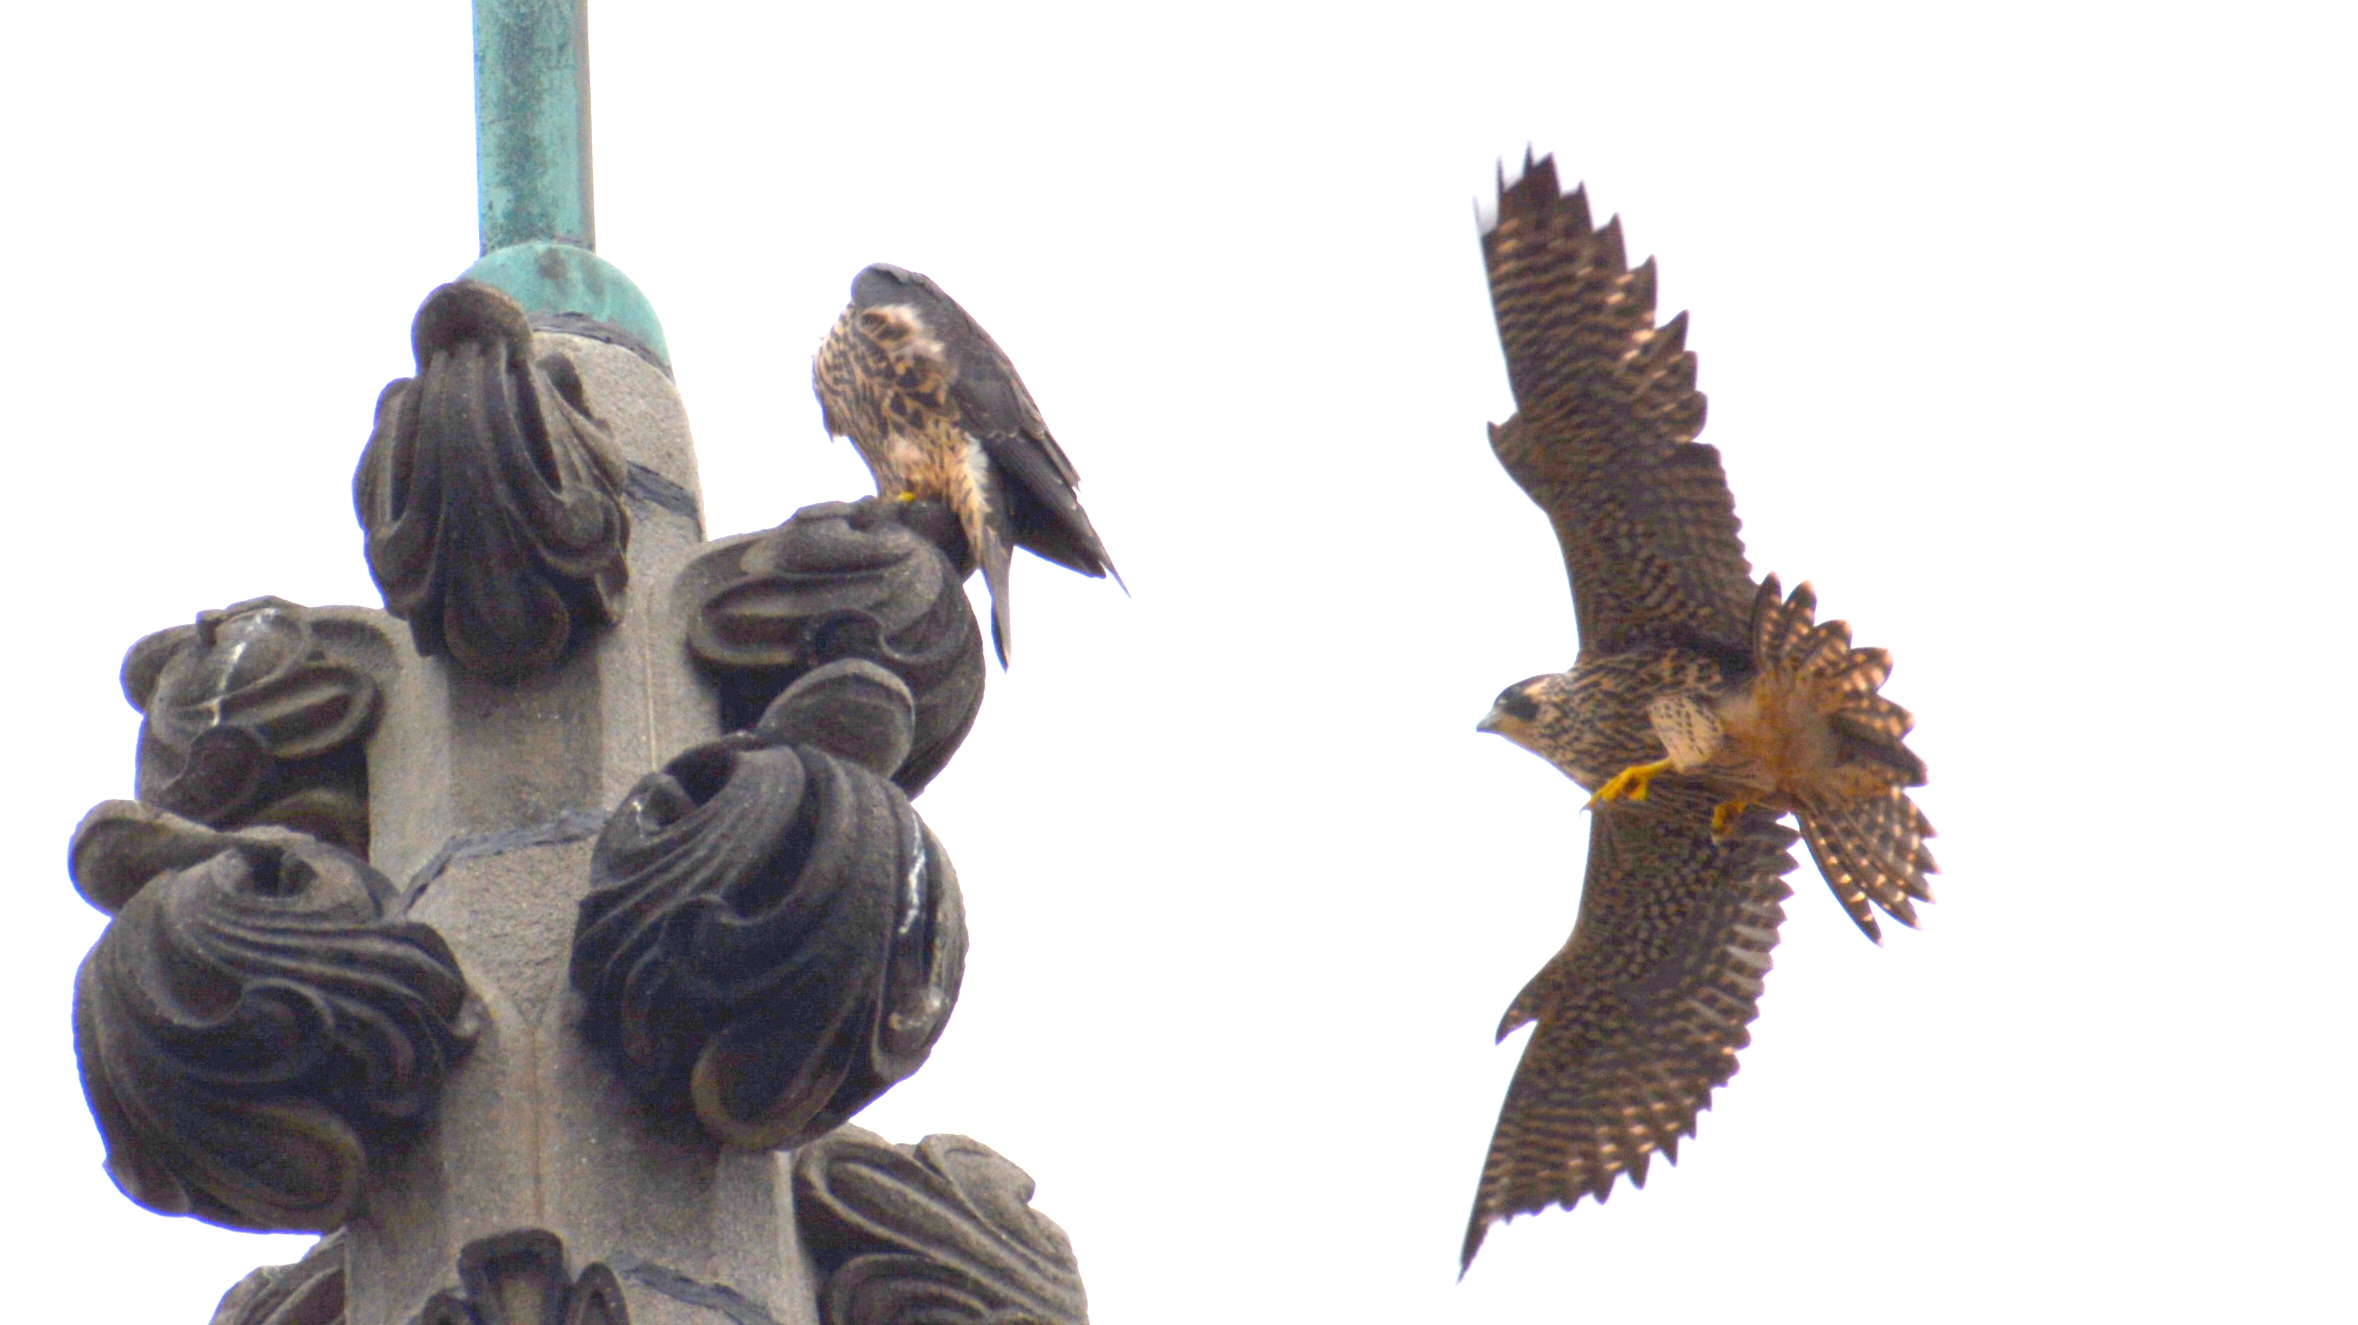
939 415
1703 707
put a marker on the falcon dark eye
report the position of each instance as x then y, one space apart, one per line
1518 703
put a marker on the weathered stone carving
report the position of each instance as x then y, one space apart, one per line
772 933
256 714
519 1278
938 1233
308 1292
256 1020
491 496
839 580
508 1277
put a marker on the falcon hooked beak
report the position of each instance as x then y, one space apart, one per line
1513 713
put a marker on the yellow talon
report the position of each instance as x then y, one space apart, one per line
1723 818
1629 784
906 496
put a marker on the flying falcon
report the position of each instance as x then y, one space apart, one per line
938 414
1702 709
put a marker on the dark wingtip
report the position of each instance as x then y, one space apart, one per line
1537 194
1476 1229
1539 172
1615 251
1537 178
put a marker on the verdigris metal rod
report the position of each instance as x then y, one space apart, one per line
532 122
532 171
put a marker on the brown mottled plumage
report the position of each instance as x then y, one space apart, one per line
937 412
1702 708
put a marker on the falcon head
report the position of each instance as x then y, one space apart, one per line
896 304
902 312
883 283
1516 713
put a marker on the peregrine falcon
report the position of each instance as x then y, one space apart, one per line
1703 708
938 414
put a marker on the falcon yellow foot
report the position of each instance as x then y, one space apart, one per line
1629 784
1723 818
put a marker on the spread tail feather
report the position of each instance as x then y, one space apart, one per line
1872 853
1865 833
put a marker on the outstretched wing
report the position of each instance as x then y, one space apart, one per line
1045 512
1642 1012
1603 435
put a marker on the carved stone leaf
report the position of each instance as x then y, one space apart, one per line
256 1020
255 715
308 1292
836 581
942 1233
513 1278
491 496
771 933
519 1278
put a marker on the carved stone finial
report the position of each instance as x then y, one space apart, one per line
515 1278
256 1020
256 714
941 1232
842 580
771 933
519 1278
491 496
851 708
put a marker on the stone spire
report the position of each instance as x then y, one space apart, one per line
534 938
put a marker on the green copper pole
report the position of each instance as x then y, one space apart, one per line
532 169
532 122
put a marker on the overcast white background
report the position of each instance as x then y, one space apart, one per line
2027 334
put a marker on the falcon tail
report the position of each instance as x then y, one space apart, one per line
1865 833
994 553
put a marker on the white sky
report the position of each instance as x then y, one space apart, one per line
2027 336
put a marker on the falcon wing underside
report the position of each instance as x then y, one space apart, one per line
1642 1012
1603 437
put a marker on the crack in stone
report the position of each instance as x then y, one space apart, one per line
571 826
740 1309
651 487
